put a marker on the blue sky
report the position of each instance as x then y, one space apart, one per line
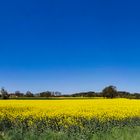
69 46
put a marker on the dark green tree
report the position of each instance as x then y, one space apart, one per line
110 92
46 94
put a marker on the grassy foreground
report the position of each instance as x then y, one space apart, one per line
125 133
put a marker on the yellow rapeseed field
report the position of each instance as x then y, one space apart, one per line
102 109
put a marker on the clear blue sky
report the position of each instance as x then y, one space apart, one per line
69 46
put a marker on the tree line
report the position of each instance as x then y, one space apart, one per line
17 94
107 92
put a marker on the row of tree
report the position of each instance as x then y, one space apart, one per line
107 92
5 95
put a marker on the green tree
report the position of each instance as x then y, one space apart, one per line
18 94
110 92
4 94
29 94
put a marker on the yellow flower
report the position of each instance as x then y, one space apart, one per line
67 112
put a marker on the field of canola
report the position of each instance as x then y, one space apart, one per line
77 115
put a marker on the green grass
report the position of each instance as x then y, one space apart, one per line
125 133
119 134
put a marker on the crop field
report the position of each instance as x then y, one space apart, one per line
74 117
